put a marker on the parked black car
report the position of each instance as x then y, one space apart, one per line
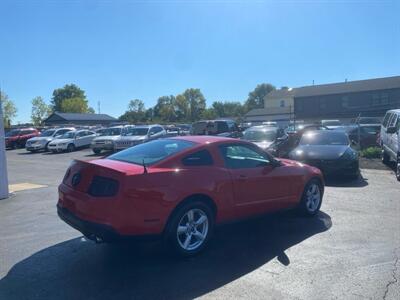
364 135
328 150
227 128
283 146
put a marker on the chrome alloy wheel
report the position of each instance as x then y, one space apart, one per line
192 229
313 197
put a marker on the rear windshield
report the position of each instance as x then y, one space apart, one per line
209 128
134 131
151 152
260 135
111 132
13 133
328 137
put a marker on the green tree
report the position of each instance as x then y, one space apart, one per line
74 105
256 97
209 114
40 111
69 91
9 109
228 109
196 101
136 112
91 110
182 108
164 110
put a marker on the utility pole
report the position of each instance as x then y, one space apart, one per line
98 107
3 161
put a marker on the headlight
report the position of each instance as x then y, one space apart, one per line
350 154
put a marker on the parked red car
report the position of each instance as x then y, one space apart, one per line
179 188
17 138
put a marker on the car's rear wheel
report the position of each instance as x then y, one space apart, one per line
71 148
190 228
46 148
312 198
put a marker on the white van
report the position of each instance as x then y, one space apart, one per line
390 139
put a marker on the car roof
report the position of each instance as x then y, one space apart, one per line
395 110
204 139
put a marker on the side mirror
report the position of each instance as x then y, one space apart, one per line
391 130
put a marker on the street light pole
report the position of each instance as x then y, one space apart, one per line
3 161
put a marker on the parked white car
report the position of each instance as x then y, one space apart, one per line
132 136
72 140
390 139
105 140
41 142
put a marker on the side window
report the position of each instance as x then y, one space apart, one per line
158 129
392 121
199 158
386 119
222 127
241 156
398 124
80 134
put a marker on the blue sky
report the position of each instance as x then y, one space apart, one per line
122 50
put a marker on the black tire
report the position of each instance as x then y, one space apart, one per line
13 146
175 240
304 207
96 151
385 157
70 148
398 168
46 148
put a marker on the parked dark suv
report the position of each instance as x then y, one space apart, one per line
227 128
18 137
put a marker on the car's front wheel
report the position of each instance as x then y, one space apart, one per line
190 228
71 148
312 198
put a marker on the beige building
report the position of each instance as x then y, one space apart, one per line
278 106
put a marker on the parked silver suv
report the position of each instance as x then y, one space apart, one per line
105 140
134 135
390 139
42 141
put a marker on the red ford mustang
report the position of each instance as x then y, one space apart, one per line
179 188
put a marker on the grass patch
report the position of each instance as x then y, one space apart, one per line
371 152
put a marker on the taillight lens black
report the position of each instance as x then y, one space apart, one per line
103 187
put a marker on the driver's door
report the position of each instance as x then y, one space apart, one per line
257 185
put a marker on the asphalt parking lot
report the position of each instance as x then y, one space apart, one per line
350 250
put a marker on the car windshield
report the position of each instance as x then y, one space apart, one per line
13 133
47 133
328 137
151 152
68 135
260 135
134 131
111 131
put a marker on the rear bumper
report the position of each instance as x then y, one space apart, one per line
97 231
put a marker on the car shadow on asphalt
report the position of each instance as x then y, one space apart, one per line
80 269
346 182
